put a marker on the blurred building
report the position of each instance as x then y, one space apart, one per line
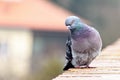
29 29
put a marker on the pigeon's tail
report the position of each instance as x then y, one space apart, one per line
68 65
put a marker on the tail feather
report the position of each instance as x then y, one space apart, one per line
68 65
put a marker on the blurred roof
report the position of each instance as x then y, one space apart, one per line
33 14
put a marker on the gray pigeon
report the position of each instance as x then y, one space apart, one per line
83 45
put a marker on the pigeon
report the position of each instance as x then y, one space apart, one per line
83 45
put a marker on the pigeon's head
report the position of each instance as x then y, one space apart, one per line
71 22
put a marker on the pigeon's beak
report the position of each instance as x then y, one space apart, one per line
69 27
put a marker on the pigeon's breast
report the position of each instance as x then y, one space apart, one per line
80 45
87 41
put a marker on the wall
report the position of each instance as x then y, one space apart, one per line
15 52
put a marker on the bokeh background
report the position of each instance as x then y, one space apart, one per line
33 34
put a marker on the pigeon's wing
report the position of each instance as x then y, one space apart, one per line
68 55
68 49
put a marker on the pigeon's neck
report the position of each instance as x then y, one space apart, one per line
77 28
82 31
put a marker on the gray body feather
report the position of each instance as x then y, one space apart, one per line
85 46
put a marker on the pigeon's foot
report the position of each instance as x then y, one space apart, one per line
89 67
83 67
80 67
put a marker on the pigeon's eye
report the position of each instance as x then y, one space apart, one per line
68 24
